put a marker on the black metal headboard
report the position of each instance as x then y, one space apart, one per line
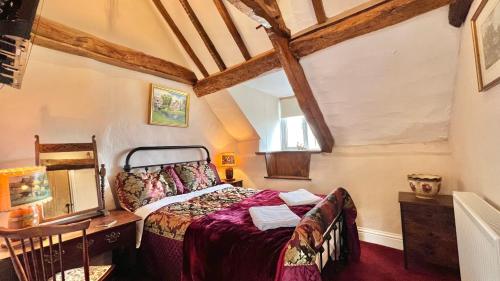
128 168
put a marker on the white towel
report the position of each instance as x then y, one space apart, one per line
270 217
299 197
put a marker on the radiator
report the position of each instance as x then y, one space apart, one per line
478 234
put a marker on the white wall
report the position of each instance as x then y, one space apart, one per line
66 98
474 133
262 111
373 175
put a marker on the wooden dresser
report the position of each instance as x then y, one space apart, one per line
429 234
118 239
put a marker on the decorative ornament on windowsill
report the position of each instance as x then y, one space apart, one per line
425 186
22 193
228 160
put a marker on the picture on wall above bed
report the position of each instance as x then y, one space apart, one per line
168 107
486 35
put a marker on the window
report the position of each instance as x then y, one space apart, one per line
297 135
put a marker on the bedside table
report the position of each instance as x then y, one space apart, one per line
429 233
235 182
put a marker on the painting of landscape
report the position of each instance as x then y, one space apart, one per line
486 35
28 189
490 31
169 107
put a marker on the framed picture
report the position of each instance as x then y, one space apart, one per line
486 36
168 107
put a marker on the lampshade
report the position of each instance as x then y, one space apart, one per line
228 159
23 186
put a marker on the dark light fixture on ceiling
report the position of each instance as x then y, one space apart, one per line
16 22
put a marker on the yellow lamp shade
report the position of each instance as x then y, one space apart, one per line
228 159
23 186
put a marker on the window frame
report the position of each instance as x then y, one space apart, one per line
284 135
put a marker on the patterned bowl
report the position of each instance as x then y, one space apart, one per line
425 186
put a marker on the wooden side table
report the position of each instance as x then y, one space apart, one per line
429 234
235 182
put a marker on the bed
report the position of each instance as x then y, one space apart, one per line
206 233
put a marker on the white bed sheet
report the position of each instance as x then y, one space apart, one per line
145 211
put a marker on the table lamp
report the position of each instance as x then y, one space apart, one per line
21 192
228 160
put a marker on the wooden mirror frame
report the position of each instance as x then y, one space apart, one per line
74 164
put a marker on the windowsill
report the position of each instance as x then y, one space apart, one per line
288 178
287 151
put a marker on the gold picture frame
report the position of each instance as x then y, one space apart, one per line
168 107
486 38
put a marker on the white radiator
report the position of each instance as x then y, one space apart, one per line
478 234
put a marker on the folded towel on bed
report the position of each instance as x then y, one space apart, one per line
270 217
299 197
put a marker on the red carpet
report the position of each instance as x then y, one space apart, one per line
379 263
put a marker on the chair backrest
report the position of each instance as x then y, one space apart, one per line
36 255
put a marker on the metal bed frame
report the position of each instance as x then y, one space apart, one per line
128 167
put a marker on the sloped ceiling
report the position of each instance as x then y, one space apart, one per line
391 86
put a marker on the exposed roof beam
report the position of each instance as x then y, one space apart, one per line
203 34
382 15
237 74
319 10
265 12
303 92
59 37
359 21
180 37
458 11
232 28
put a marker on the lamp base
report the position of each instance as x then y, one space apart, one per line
229 174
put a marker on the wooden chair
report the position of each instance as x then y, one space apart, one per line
40 261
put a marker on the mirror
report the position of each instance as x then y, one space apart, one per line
73 176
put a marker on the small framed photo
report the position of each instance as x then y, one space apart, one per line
486 36
168 107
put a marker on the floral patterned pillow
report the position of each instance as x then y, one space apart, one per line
170 174
195 176
135 190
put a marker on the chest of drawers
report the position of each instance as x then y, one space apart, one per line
429 234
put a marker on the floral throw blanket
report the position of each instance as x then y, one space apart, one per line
172 220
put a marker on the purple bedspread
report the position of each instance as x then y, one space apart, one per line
226 246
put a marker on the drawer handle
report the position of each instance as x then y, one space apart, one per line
90 242
55 257
112 237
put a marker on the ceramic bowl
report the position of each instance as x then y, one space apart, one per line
425 186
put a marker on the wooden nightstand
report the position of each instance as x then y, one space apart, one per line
118 239
235 182
429 234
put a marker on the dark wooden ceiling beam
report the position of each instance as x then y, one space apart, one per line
236 74
458 11
203 34
319 10
303 92
381 16
232 29
265 12
361 20
166 16
53 35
